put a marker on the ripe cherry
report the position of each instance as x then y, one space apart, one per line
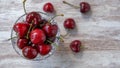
84 6
33 17
44 49
69 23
37 36
48 7
75 46
21 43
21 29
29 52
50 29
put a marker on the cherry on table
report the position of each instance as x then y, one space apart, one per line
29 52
84 6
48 7
75 46
69 23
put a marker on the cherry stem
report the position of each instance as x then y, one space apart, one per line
11 38
24 6
71 5
29 31
61 38
55 17
52 43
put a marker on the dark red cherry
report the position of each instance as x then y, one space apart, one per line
44 49
21 43
21 29
48 7
37 36
69 23
84 7
75 46
50 29
33 17
29 52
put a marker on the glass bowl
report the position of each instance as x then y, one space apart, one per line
39 57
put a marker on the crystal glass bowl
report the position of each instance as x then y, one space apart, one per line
39 57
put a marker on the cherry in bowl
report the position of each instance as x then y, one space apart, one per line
29 49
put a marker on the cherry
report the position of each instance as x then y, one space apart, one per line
84 6
75 46
50 29
29 52
21 43
37 36
69 23
48 7
21 29
44 49
33 17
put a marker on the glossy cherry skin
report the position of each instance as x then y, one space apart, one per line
21 43
69 23
21 29
37 36
44 49
50 29
75 46
33 17
84 7
29 52
48 7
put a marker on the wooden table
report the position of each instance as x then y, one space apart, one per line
99 32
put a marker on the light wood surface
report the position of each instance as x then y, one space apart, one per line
98 30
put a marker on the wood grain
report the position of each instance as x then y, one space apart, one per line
99 31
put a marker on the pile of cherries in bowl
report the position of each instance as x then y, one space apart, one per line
35 35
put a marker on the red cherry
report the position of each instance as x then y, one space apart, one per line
21 43
21 29
37 36
29 52
34 17
84 7
50 30
48 7
44 49
75 46
69 23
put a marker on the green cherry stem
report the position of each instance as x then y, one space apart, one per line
52 43
27 36
24 1
11 38
71 5
55 17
